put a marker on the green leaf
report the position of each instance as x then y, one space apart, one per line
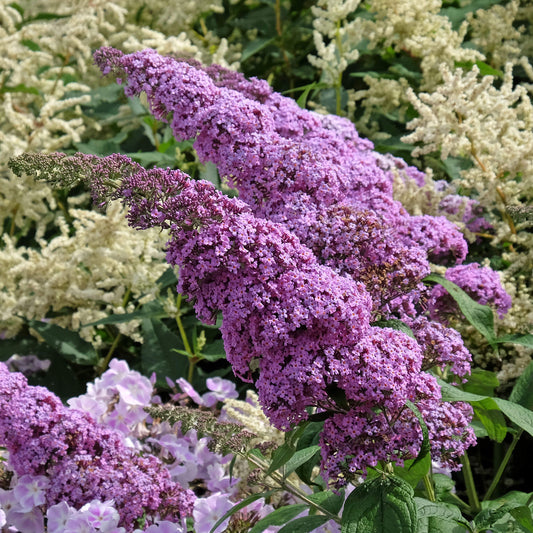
487 517
17 6
23 345
484 68
425 447
214 351
458 14
279 457
517 338
209 172
393 323
240 505
32 45
255 46
481 382
280 516
479 429
60 378
106 94
380 505
302 99
523 517
329 500
480 316
305 524
167 279
444 486
102 146
257 453
413 473
438 517
454 166
147 159
20 88
521 416
490 415
157 353
292 437
299 458
310 437
522 392
67 343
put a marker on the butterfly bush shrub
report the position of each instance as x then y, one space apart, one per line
304 266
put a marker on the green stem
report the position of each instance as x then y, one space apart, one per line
459 501
103 366
182 329
192 365
290 487
428 484
277 9
471 492
192 356
503 465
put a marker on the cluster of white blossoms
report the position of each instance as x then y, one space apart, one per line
334 36
91 272
467 116
493 31
416 27
410 26
42 59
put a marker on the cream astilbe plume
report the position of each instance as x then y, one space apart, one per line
92 272
468 116
41 110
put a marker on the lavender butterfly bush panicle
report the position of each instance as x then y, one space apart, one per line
304 327
83 460
481 283
311 173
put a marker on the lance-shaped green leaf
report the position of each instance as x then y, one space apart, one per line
524 339
67 343
490 415
523 517
380 505
438 517
518 414
158 352
328 500
522 392
299 458
280 516
305 524
241 505
480 316
393 323
280 456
